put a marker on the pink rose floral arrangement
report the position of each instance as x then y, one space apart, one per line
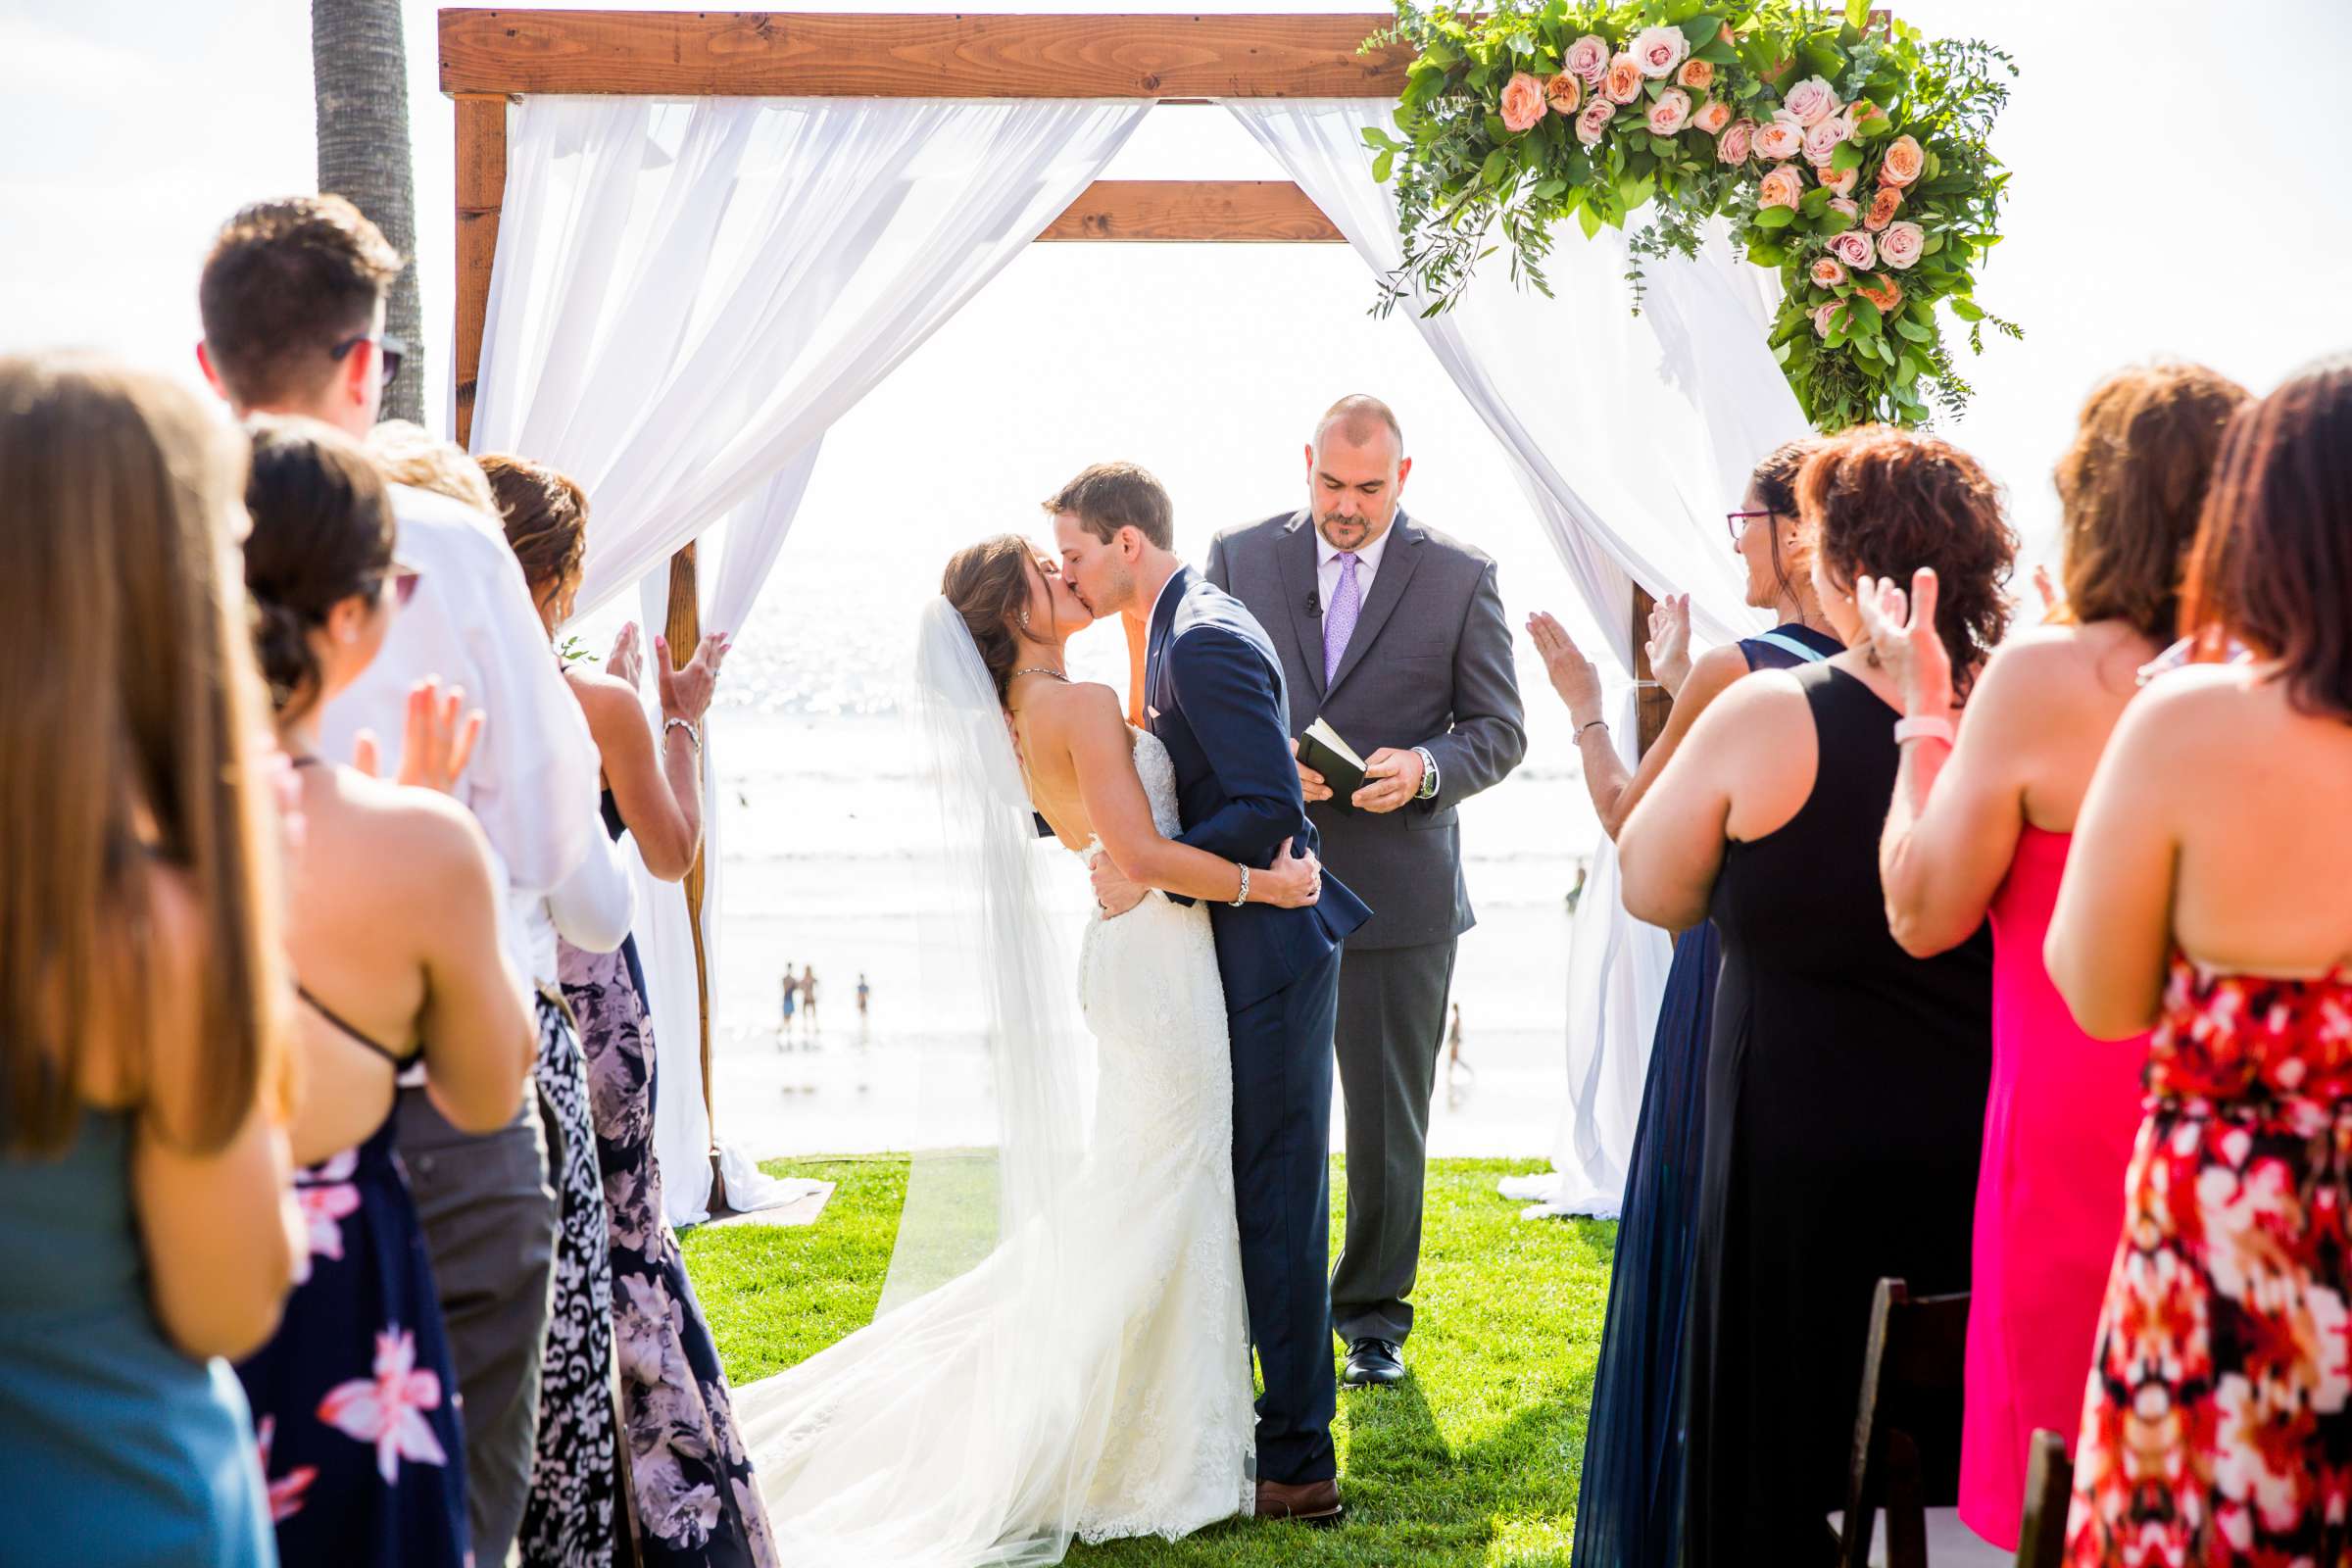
1839 146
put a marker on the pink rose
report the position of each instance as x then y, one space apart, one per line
1841 180
1658 50
1738 141
1697 75
1811 101
1824 140
1782 186
1902 244
1855 249
1587 58
1828 272
1903 162
1882 207
1670 112
1825 317
1564 93
1845 204
1593 123
1522 102
1621 83
1782 139
1712 115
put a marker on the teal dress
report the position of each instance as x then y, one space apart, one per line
114 1448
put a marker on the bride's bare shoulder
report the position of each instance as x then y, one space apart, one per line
1080 704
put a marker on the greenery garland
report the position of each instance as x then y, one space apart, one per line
1849 155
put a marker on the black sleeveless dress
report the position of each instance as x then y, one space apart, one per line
1844 1116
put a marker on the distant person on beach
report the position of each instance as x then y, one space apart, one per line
808 996
792 997
864 993
1454 1044
1576 894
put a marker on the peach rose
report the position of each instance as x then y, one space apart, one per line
1811 101
1845 204
1564 93
1736 142
1840 180
1593 123
1855 249
1712 115
1902 244
1670 114
1882 207
1697 75
1825 317
1782 139
1658 50
1522 102
1861 112
1587 58
1903 162
1782 186
1621 83
1884 292
1828 272
1823 140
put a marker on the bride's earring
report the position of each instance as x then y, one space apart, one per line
1024 621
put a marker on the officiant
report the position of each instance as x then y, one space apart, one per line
1392 635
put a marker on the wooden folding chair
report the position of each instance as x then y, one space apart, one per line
2049 1490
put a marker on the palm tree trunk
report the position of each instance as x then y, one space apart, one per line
360 76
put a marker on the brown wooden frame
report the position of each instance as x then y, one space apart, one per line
489 57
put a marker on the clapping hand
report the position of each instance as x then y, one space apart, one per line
1669 644
440 739
2053 597
626 661
686 692
1572 674
1903 640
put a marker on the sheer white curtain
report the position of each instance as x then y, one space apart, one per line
1659 417
686 296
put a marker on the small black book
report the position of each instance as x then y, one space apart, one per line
1322 750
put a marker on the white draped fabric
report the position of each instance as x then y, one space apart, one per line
1659 416
686 296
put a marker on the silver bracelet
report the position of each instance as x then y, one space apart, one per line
1243 897
1598 723
693 734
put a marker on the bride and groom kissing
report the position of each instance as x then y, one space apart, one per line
1092 1377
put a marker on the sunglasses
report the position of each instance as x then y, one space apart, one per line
1738 521
389 352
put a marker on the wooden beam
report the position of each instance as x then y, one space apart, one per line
1229 211
481 194
1652 702
704 54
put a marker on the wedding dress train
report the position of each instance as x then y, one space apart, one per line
1090 1377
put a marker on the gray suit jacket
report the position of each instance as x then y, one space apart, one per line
1429 665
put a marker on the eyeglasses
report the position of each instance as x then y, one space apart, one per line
389 352
1738 521
403 578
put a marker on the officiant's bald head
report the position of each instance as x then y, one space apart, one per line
1356 470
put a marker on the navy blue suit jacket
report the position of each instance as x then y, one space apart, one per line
1214 693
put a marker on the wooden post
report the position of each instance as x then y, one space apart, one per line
1652 702
481 193
684 629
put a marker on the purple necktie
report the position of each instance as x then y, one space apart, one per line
1339 622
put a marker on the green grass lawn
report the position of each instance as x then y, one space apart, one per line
1472 1460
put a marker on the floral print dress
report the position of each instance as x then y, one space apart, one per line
2216 1426
692 1494
354 1401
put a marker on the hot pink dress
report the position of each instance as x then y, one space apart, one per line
2059 1122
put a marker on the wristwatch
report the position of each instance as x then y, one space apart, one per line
1429 774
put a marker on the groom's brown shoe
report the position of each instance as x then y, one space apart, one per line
1314 1502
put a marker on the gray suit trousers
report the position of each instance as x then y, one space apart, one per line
1392 1028
489 1220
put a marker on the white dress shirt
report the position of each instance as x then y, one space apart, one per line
532 781
1327 566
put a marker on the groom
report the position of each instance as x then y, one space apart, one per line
1214 694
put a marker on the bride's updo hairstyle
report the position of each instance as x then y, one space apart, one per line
988 583
1883 501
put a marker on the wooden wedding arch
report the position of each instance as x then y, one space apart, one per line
490 58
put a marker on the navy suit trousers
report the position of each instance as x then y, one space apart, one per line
1282 1067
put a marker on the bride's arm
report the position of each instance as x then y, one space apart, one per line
1088 722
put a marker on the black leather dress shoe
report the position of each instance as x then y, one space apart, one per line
1373 1363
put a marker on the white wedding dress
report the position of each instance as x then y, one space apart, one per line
1090 1377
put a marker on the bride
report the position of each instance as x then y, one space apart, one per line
1063 1349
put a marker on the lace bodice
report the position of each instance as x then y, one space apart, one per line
1157 771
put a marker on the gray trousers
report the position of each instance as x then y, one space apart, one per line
1392 1027
489 1222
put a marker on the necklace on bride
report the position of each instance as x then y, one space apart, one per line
1037 669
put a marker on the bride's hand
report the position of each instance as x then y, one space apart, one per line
1289 883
